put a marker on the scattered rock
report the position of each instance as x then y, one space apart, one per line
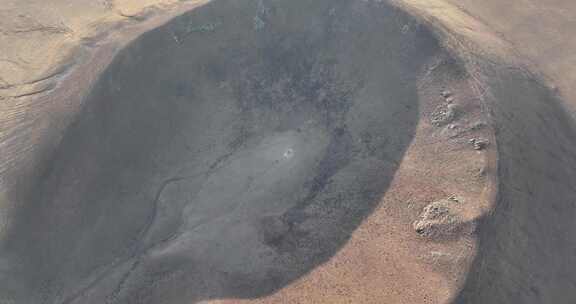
258 23
446 93
440 257
332 12
438 219
443 114
204 28
478 144
261 16
477 126
454 198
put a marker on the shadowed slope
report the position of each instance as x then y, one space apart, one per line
527 250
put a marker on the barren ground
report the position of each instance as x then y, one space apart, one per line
286 152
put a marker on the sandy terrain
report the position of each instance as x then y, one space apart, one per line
285 152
